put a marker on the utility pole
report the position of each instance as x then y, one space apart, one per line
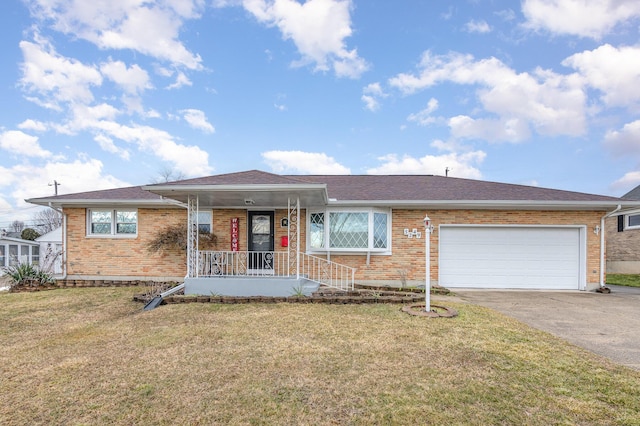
55 185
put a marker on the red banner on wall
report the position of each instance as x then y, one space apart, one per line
235 243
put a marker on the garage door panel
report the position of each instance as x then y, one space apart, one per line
509 257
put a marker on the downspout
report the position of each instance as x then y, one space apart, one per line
64 241
602 232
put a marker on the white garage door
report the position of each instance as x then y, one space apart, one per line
510 257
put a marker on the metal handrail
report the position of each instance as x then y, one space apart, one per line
214 263
327 272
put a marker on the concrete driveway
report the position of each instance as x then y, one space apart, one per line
606 324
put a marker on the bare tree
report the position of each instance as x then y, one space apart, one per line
16 226
47 220
168 175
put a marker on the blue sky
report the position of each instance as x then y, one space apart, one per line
112 93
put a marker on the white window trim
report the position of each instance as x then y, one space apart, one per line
370 211
626 221
113 233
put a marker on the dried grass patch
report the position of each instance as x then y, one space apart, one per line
91 356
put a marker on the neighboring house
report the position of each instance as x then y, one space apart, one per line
14 251
337 229
51 251
623 239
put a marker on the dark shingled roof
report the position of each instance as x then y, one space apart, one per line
427 187
128 193
360 188
634 194
251 177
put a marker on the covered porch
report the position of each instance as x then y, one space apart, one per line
258 268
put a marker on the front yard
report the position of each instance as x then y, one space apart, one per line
92 356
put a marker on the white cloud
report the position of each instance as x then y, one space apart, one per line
370 103
318 28
460 165
133 80
53 78
613 71
99 120
181 80
371 94
303 162
510 130
481 27
585 18
424 117
624 142
33 125
87 118
83 174
117 24
197 119
108 145
188 159
17 142
627 182
506 15
550 103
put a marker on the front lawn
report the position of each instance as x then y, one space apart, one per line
630 280
92 356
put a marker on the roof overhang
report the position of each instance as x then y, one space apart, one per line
493 204
84 202
245 196
19 241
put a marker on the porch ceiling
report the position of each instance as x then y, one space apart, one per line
246 196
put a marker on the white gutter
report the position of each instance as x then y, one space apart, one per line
602 232
481 204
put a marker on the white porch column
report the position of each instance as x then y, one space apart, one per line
293 234
193 208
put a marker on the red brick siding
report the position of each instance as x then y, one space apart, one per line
409 255
129 257
123 256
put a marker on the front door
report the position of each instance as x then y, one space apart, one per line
261 240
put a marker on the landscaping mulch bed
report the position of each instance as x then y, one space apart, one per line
29 287
361 294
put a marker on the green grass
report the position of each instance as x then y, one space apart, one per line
91 356
629 280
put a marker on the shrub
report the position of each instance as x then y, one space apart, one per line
29 234
174 237
27 275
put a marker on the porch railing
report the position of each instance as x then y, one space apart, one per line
243 263
326 272
274 264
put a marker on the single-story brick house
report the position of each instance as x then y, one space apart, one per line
623 239
337 229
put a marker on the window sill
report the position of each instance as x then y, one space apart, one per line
111 236
350 252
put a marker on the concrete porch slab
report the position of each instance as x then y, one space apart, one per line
249 286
